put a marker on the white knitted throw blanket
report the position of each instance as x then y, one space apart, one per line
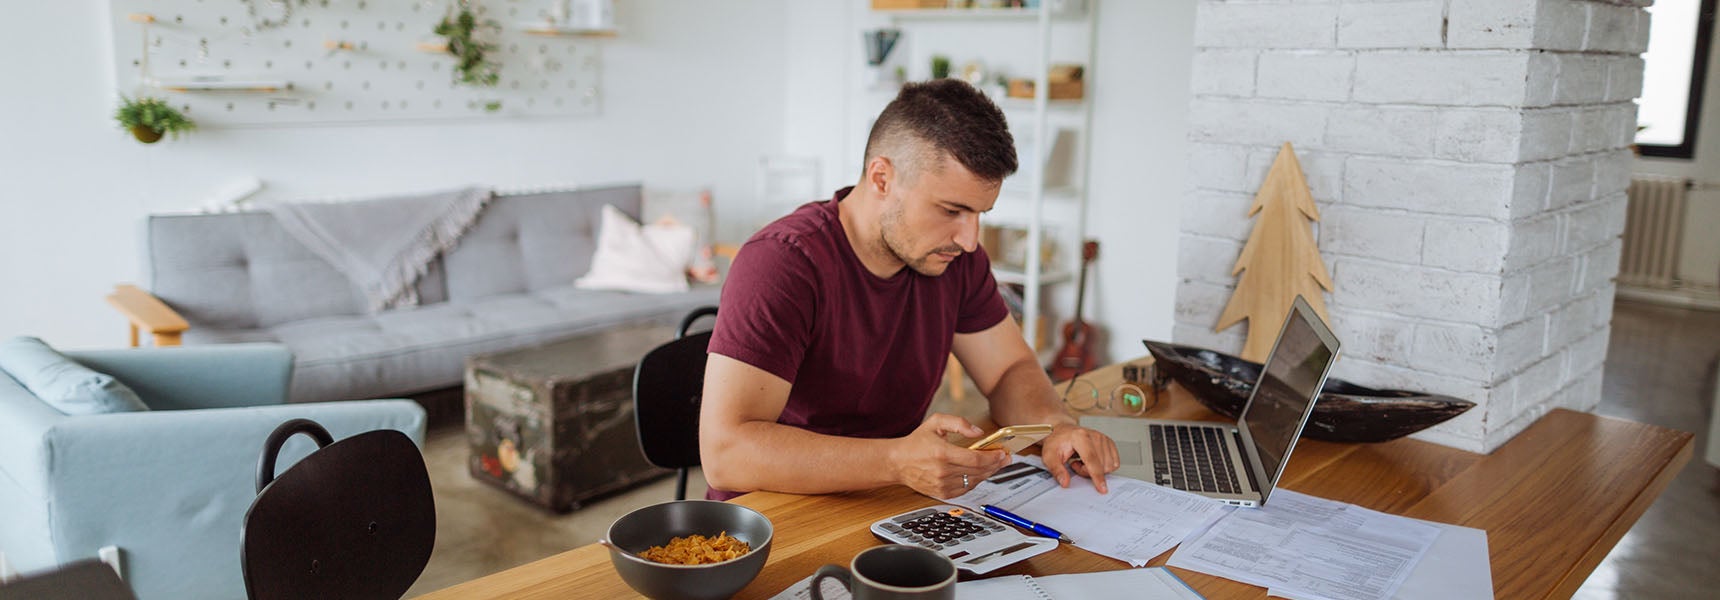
384 245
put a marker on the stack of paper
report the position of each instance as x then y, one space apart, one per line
1133 523
1306 548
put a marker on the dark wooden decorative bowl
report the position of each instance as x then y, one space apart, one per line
1346 412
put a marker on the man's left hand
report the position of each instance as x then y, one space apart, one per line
1094 455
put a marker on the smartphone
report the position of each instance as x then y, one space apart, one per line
1013 438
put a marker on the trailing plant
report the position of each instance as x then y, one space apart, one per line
149 118
460 29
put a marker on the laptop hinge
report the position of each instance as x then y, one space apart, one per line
1247 468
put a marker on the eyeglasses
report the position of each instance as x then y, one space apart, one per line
1125 399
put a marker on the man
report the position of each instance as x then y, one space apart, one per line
836 320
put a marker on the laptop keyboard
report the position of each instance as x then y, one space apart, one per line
1192 458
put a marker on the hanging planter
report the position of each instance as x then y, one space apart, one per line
460 28
151 118
145 134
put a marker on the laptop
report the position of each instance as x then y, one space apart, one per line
1237 464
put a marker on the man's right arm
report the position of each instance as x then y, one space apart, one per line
744 449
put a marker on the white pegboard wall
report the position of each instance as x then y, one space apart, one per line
378 70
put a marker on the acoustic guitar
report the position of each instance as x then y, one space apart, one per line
1076 355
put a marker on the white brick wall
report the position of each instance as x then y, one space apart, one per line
1366 233
1413 291
1383 130
1256 122
1218 167
1474 245
1305 75
1491 23
1446 188
1546 133
1480 78
1485 135
1231 72
1374 338
1265 25
1469 161
1323 171
1402 24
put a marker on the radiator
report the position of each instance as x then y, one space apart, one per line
1654 224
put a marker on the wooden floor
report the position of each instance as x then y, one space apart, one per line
1660 370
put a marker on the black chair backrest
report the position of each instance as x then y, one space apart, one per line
667 386
354 519
82 580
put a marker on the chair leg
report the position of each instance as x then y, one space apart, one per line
681 484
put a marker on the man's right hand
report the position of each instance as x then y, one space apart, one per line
928 463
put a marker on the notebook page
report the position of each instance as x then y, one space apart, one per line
1008 587
1156 583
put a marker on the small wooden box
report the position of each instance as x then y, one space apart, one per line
554 424
908 4
1066 90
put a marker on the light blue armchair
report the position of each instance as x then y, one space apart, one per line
169 487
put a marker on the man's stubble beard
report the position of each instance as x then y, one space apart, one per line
889 234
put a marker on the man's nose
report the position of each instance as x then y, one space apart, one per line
968 236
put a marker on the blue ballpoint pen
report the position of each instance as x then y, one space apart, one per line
1016 520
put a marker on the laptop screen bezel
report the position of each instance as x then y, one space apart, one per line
1298 309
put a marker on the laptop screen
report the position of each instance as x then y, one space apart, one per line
1287 389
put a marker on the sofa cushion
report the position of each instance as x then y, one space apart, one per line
630 257
241 270
62 383
526 243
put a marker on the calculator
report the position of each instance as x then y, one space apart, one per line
977 543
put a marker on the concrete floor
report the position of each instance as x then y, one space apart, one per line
1660 369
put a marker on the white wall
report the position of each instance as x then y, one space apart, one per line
1699 261
1139 92
1140 164
692 96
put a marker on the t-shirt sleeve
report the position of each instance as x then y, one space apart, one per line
765 314
982 306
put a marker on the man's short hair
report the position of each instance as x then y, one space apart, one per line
953 119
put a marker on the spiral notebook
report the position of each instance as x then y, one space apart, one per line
1154 583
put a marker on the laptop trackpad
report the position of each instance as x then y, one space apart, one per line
1129 452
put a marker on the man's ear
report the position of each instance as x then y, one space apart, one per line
881 175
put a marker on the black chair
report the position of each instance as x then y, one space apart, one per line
667 385
354 519
82 580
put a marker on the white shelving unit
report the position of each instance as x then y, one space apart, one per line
1027 200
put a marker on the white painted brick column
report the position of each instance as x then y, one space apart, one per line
1469 158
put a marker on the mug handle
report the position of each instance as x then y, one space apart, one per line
835 571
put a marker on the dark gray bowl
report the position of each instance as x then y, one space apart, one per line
655 525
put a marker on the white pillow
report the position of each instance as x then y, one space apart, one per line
651 259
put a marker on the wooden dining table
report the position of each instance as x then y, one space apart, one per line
1553 501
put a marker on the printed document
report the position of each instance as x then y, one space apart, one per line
1306 548
1133 523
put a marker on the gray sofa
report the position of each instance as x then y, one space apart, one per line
238 277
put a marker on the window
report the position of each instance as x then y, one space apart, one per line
1674 69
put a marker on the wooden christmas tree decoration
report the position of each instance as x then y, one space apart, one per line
1280 260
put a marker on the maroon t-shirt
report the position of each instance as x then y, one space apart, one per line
864 355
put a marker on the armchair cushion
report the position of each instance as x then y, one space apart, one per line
62 383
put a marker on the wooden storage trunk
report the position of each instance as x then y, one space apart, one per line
554 424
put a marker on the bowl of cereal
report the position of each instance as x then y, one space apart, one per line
690 549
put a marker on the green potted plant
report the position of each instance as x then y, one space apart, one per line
940 66
150 118
460 29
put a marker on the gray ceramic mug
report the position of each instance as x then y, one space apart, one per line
893 572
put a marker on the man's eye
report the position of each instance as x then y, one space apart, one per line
952 212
